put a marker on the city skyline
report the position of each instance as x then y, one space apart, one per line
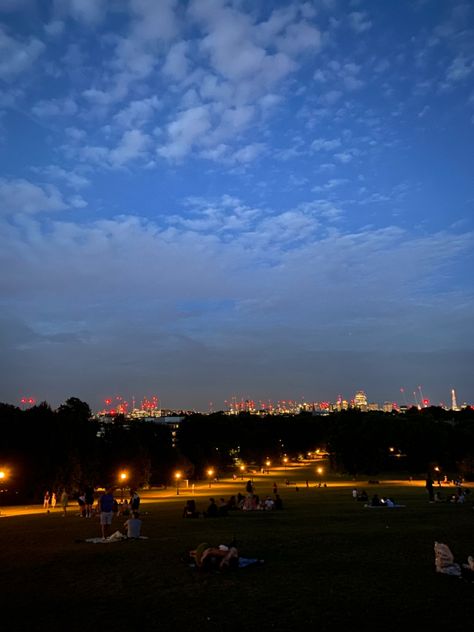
209 197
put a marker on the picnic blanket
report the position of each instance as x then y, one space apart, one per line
117 536
383 506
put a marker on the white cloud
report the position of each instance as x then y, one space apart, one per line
359 22
187 130
323 144
137 113
133 145
71 178
17 56
89 12
23 197
55 107
248 153
460 69
176 65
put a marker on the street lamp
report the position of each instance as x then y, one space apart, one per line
123 476
242 470
210 473
285 461
320 472
268 463
178 478
3 476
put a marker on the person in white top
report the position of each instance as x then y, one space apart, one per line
133 526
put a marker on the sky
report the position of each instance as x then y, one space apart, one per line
209 199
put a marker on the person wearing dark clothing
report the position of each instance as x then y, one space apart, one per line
249 487
429 488
134 501
212 510
189 510
278 502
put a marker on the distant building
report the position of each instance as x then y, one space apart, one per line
360 400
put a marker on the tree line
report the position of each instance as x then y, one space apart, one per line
42 448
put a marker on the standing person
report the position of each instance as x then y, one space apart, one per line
53 500
46 500
89 498
249 487
275 488
429 487
134 501
106 506
64 502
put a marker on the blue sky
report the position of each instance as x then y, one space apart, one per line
214 198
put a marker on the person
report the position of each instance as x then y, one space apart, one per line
363 497
46 500
278 502
133 526
89 498
268 504
125 508
189 510
275 488
53 500
375 502
106 506
249 487
209 557
134 501
81 501
355 493
223 508
212 510
64 502
429 488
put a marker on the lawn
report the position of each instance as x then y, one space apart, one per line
329 563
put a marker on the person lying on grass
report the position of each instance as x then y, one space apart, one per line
209 557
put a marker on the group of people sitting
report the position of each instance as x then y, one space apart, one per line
458 498
250 502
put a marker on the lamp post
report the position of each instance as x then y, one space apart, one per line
178 478
123 476
320 472
242 470
3 476
210 473
268 463
285 461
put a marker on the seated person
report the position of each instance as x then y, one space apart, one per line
223 508
363 496
208 557
268 504
133 526
189 510
375 502
212 510
278 503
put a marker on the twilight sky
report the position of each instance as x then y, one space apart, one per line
222 198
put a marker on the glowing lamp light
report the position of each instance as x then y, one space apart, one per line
320 470
2 475
242 468
123 476
268 462
210 472
177 475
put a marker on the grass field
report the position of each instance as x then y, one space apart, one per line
329 563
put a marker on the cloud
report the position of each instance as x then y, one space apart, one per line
71 178
359 22
89 12
23 197
51 108
323 144
185 131
137 113
133 145
17 56
176 65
